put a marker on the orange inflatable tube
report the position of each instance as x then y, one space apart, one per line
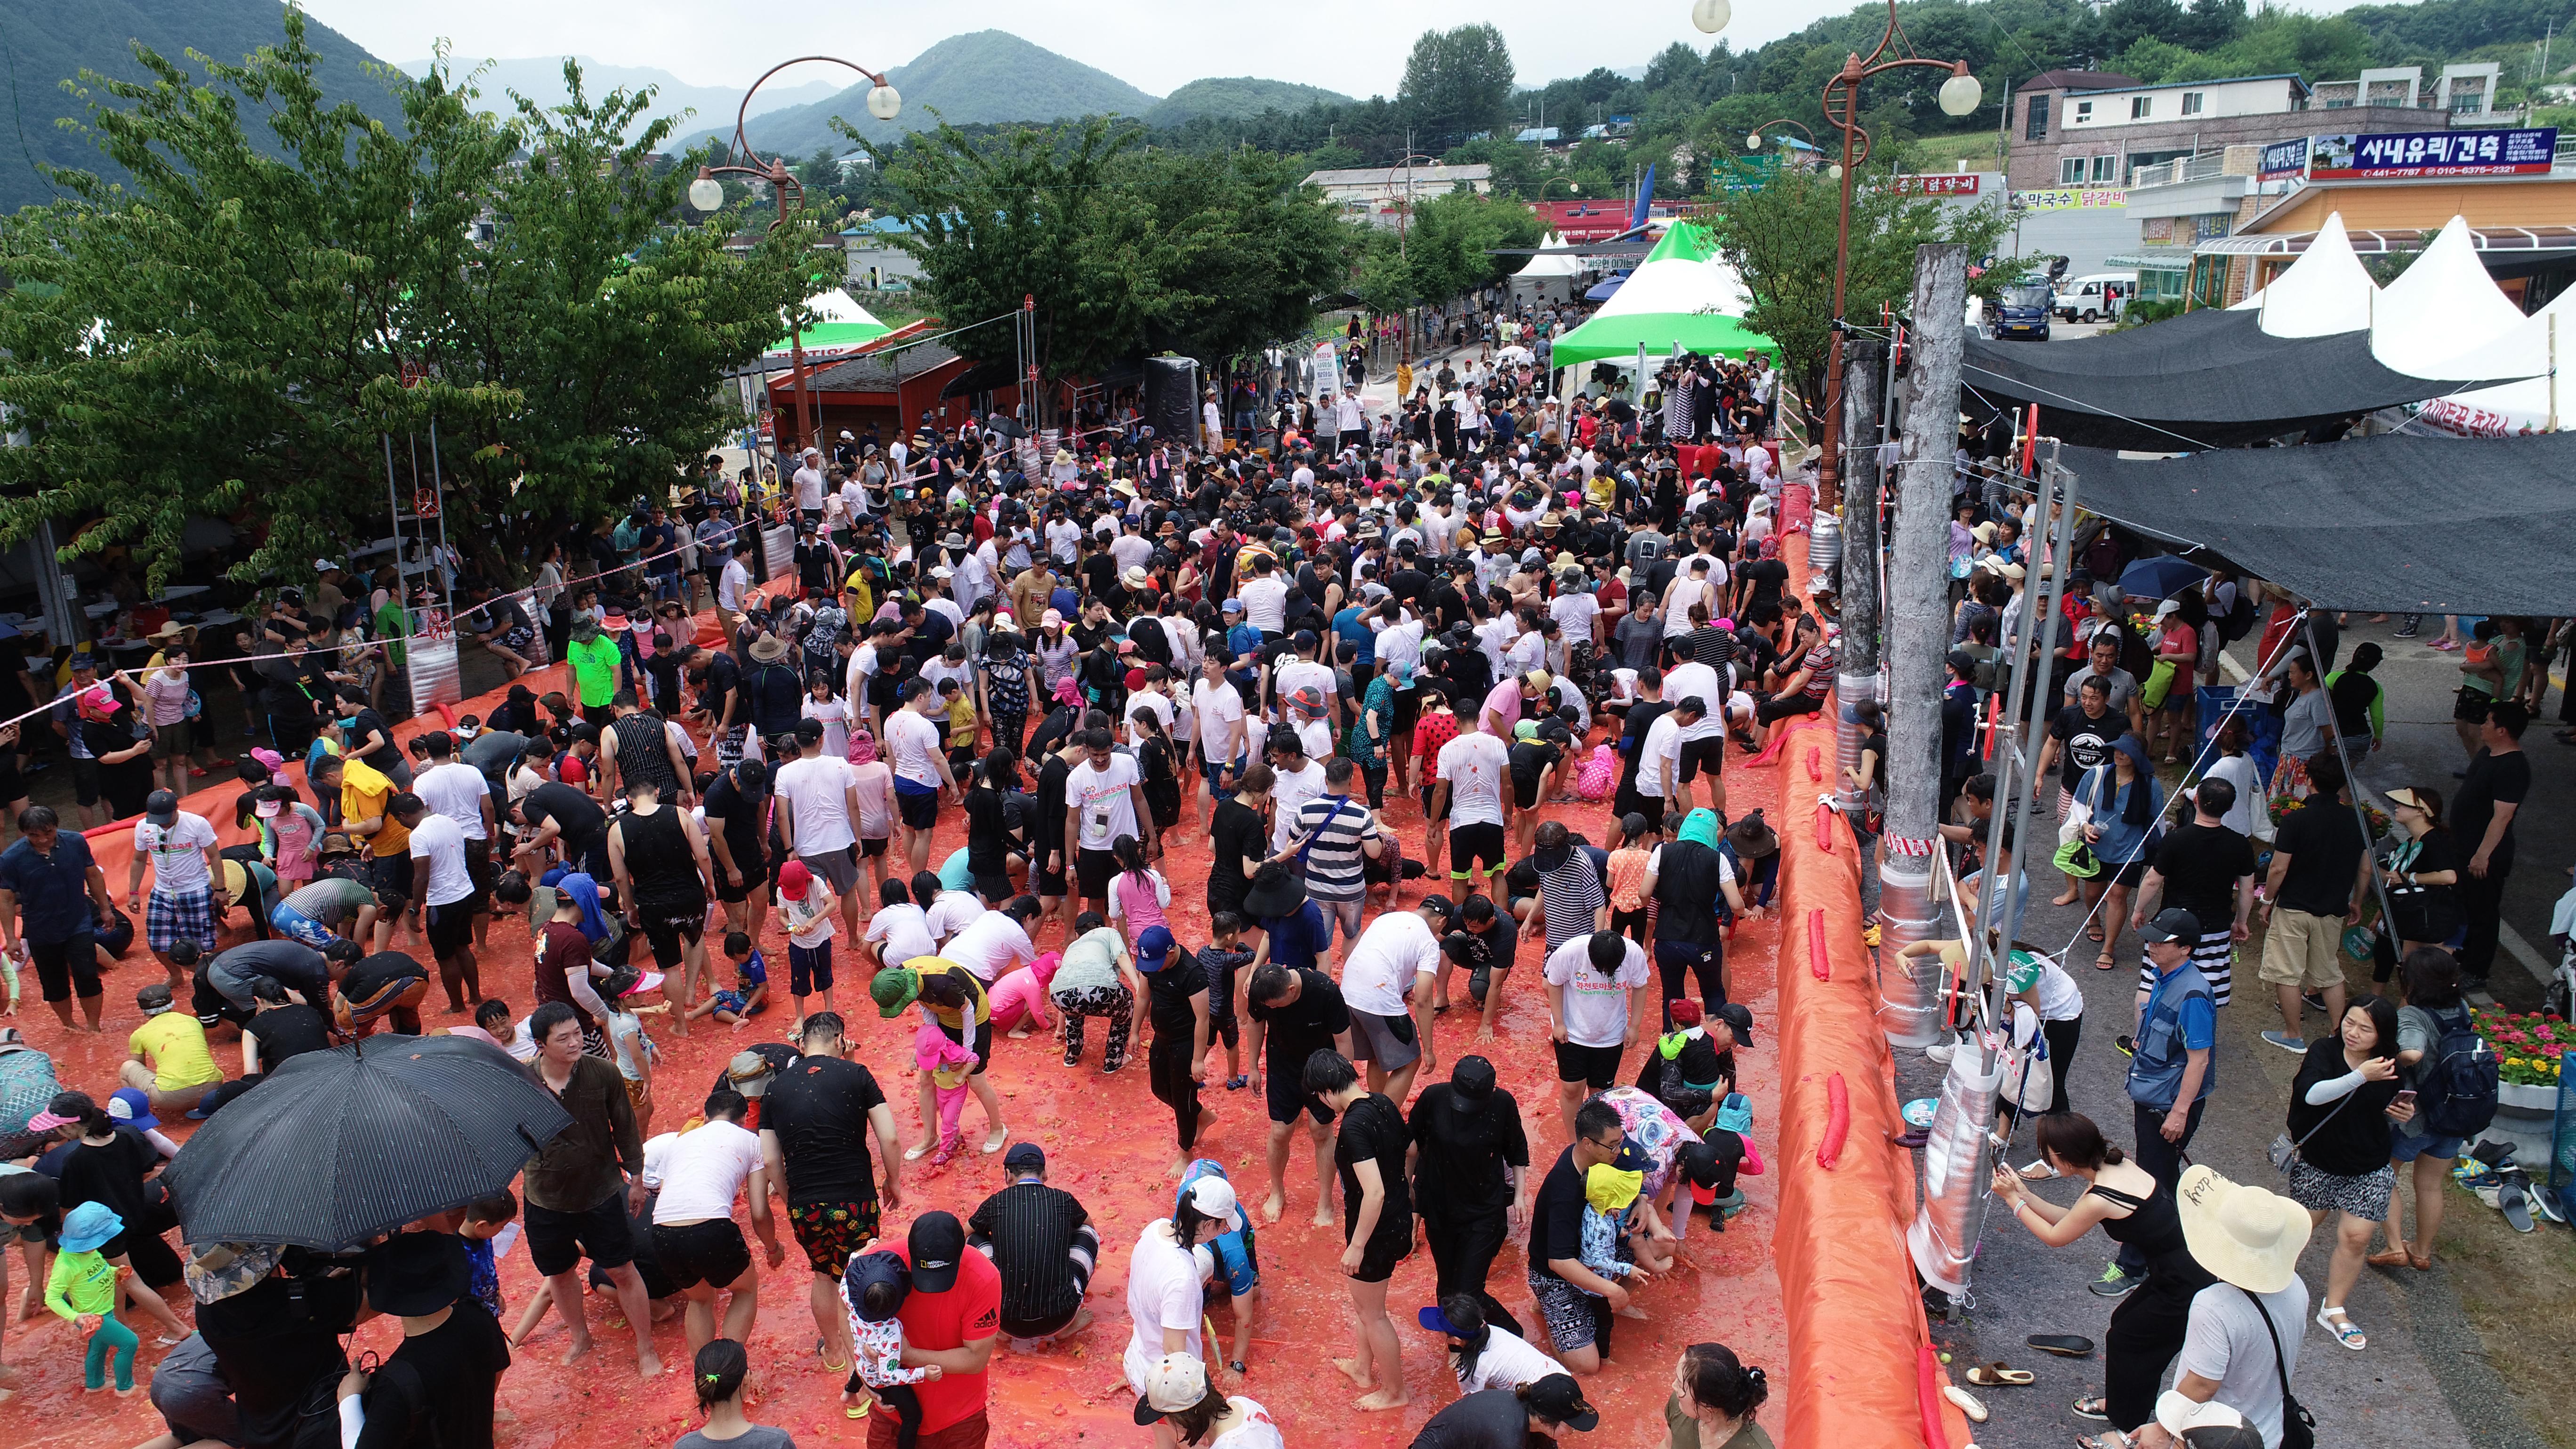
1862 1375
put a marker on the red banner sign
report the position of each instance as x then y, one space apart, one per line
1958 183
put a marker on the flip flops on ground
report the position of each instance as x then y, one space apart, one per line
1999 1375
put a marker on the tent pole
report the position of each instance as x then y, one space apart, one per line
2553 372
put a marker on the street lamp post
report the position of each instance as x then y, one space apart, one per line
706 193
1403 212
1960 95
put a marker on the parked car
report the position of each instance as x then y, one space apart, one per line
2024 310
2095 297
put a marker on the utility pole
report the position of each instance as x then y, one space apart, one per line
1856 676
1918 640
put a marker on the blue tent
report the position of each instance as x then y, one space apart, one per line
1604 291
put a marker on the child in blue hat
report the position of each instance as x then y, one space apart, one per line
83 1290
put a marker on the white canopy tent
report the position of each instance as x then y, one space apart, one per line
1561 265
2442 310
2533 351
2324 292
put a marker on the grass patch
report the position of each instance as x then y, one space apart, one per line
1982 149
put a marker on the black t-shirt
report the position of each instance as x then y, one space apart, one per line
1304 1026
1032 1229
1767 576
1556 1216
369 723
1168 994
288 1031
2348 1137
2324 845
1373 1130
1531 760
369 976
819 1109
577 817
1052 777
1238 833
725 802
110 1172
1689 880
1465 1154
437 1388
779 1055
2084 743
988 833
2493 780
2201 865
723 677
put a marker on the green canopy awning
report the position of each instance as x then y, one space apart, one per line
1683 293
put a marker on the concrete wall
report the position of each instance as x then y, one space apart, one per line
2035 163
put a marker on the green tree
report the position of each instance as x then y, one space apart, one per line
1124 251
232 334
1456 83
1780 239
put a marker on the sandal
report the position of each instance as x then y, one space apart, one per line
2093 933
2344 1331
2064 1345
1967 1403
1998 1375
2094 1407
2392 1258
2107 1439
2106 962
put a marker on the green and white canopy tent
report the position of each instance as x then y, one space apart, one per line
840 325
1682 295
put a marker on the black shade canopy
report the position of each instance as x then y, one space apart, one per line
2393 523
336 1147
2206 379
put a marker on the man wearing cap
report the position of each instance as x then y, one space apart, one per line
951 1319
185 860
2241 1343
2171 1070
1471 1180
439 1386
167 1055
1503 1418
52 898
815 1123
1294 677
1041 1242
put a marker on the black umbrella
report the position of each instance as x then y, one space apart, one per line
338 1146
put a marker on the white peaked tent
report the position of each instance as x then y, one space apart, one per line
2324 292
1542 268
2537 351
2444 308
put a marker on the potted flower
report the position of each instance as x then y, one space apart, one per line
2528 1048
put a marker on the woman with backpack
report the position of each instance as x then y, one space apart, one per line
2438 1053
2342 1106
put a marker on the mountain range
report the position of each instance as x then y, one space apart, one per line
42 47
697 108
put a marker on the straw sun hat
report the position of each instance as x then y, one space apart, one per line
2246 1235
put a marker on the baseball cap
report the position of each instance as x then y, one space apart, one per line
2173 923
1213 1196
1961 659
750 1074
1559 1397
1024 1156
132 1107
795 877
161 807
1230 606
1176 1381
2022 971
1440 903
1153 948
1700 1169
1739 1020
935 1242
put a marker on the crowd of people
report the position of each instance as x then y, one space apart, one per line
1466 678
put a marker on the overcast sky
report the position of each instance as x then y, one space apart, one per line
1353 46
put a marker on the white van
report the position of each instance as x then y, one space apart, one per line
2095 297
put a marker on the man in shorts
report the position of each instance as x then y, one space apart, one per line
443 890
815 1121
660 861
735 811
2320 876
1599 990
818 798
1577 1304
698 1175
1104 798
310 972
186 872
52 897
1387 980
582 1185
1469 790
317 914
1295 1013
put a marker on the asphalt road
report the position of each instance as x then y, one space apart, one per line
2424 1379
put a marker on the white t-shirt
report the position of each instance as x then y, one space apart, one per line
456 790
178 852
905 930
1265 603
1101 801
1507 1362
2225 1340
1596 1006
1218 706
1574 614
1663 742
990 945
2238 770
1475 765
1385 961
437 839
1154 704
700 1172
2060 999
1299 674
1289 792
951 912
815 791
1162 1292
914 743
1694 680
1255 1429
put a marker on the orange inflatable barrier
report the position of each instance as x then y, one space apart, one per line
1862 1374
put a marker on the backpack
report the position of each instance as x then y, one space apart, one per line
2455 1089
1238 1270
2239 619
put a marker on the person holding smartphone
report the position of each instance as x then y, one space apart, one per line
2344 1105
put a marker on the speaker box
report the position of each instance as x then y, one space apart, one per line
1172 398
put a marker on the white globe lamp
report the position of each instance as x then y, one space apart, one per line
884 102
706 193
1960 94
1711 15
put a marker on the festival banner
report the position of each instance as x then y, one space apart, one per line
2406 155
2072 198
2283 159
1959 183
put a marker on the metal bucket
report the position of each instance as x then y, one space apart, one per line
1824 543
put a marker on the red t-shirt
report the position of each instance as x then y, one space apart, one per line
971 1310
1431 732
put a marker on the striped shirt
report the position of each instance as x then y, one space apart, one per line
1034 1230
1571 896
1335 864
